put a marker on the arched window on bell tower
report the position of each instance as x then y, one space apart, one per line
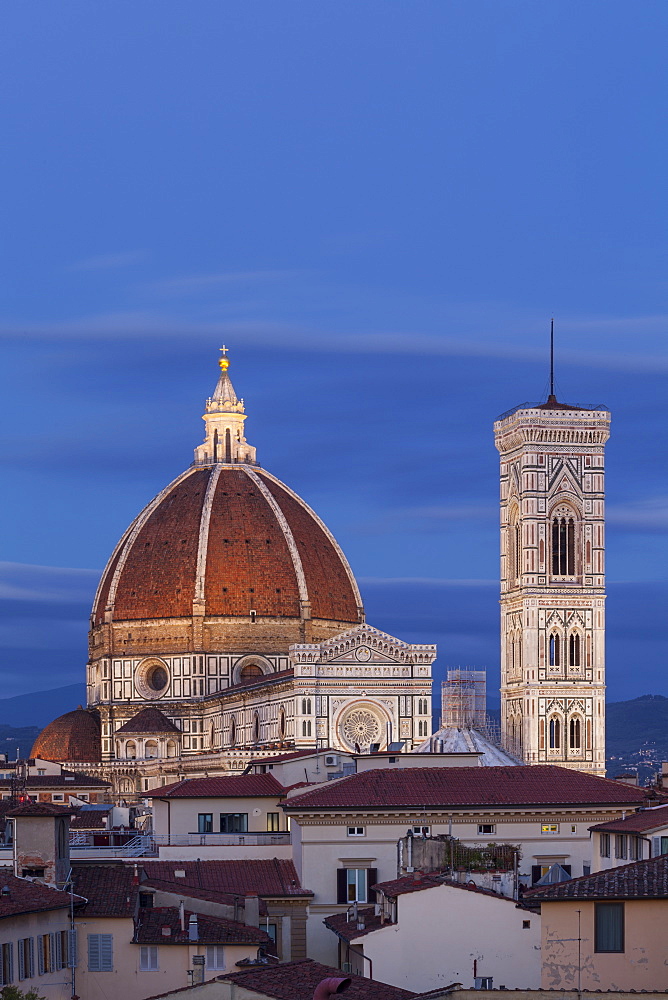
555 650
563 545
575 734
555 734
574 649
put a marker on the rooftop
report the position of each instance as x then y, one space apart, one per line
639 880
236 786
152 922
26 896
467 787
298 980
149 720
39 809
639 822
268 877
108 889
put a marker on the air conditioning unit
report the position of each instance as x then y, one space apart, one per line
331 760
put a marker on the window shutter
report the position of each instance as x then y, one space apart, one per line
10 962
22 964
341 885
106 953
53 952
31 958
94 952
371 879
40 954
58 950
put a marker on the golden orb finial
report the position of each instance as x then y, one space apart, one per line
224 362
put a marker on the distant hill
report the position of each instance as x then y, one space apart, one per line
21 739
637 735
40 707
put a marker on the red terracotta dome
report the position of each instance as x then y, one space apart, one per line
74 736
227 540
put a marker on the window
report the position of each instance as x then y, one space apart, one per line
355 831
146 900
575 732
148 958
549 828
609 927
353 884
563 546
555 650
205 822
555 734
486 828
6 964
26 954
620 845
234 822
215 958
57 798
526 924
45 953
422 831
273 822
635 848
574 650
256 728
100 953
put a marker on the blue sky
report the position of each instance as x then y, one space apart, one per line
377 206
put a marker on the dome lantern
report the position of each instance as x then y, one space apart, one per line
224 440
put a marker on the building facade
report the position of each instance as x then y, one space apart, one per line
553 583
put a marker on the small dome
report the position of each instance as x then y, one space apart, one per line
74 736
149 720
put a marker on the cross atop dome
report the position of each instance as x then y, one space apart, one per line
224 419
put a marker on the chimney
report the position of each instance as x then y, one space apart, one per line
182 915
193 930
252 910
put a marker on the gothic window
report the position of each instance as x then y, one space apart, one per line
574 650
574 734
563 546
306 706
518 551
306 727
555 650
555 734
256 727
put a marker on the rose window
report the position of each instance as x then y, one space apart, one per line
360 727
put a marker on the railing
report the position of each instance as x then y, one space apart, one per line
220 839
134 848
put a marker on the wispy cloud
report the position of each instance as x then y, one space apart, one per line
109 261
194 283
504 342
52 584
650 514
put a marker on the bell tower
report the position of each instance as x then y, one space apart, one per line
553 583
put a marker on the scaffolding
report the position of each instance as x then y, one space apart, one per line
464 699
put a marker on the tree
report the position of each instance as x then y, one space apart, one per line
14 993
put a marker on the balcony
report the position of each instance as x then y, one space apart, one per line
221 839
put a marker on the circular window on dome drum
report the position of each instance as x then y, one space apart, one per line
360 727
152 678
250 668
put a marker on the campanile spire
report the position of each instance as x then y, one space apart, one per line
224 439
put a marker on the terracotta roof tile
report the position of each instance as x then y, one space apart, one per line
298 980
234 786
639 822
639 880
149 720
26 896
270 877
429 880
109 889
349 929
437 787
40 809
211 930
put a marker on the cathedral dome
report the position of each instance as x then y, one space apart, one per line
233 541
74 736
226 543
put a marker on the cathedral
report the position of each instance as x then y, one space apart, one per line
228 625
